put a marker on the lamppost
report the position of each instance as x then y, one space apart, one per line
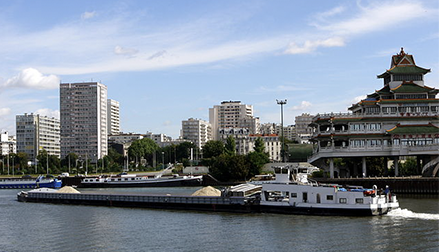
282 103
163 160
47 163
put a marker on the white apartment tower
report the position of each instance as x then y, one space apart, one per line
84 119
113 117
36 133
232 114
197 131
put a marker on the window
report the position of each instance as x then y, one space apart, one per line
359 200
343 201
329 197
305 197
293 195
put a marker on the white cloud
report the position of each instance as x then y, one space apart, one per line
310 46
87 15
330 13
377 16
118 50
5 111
48 112
32 78
304 105
358 99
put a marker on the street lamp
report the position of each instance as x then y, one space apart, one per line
163 159
282 103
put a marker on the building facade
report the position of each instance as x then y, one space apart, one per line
36 133
197 131
400 119
84 130
232 114
113 117
8 144
303 129
245 142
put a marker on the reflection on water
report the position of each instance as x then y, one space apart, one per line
37 227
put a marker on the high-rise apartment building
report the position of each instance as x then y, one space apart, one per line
84 119
197 131
113 117
232 114
36 133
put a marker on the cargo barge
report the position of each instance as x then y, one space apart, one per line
202 203
289 193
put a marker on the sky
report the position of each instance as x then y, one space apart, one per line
171 60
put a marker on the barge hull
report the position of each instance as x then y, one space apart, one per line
199 203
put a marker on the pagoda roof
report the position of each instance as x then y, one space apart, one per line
414 129
403 63
410 87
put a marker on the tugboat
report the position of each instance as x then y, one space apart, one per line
293 193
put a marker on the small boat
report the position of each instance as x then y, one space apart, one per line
140 181
40 181
292 192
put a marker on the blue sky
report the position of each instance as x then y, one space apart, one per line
167 61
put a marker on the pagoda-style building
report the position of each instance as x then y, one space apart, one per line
400 119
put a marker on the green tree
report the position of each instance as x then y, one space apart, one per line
230 146
22 159
409 167
256 161
259 145
69 161
142 148
183 150
220 168
213 148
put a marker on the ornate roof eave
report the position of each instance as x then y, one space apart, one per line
414 129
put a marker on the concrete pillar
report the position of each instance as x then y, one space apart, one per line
418 165
395 163
331 168
355 167
363 163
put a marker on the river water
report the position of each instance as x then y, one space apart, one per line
48 227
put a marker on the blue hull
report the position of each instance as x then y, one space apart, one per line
31 185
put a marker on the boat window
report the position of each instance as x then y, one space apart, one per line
329 197
132 178
293 195
318 198
343 201
277 170
305 197
359 201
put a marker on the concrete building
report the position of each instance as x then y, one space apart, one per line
36 133
160 139
124 137
273 128
84 128
232 114
113 117
303 129
8 144
400 119
197 131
